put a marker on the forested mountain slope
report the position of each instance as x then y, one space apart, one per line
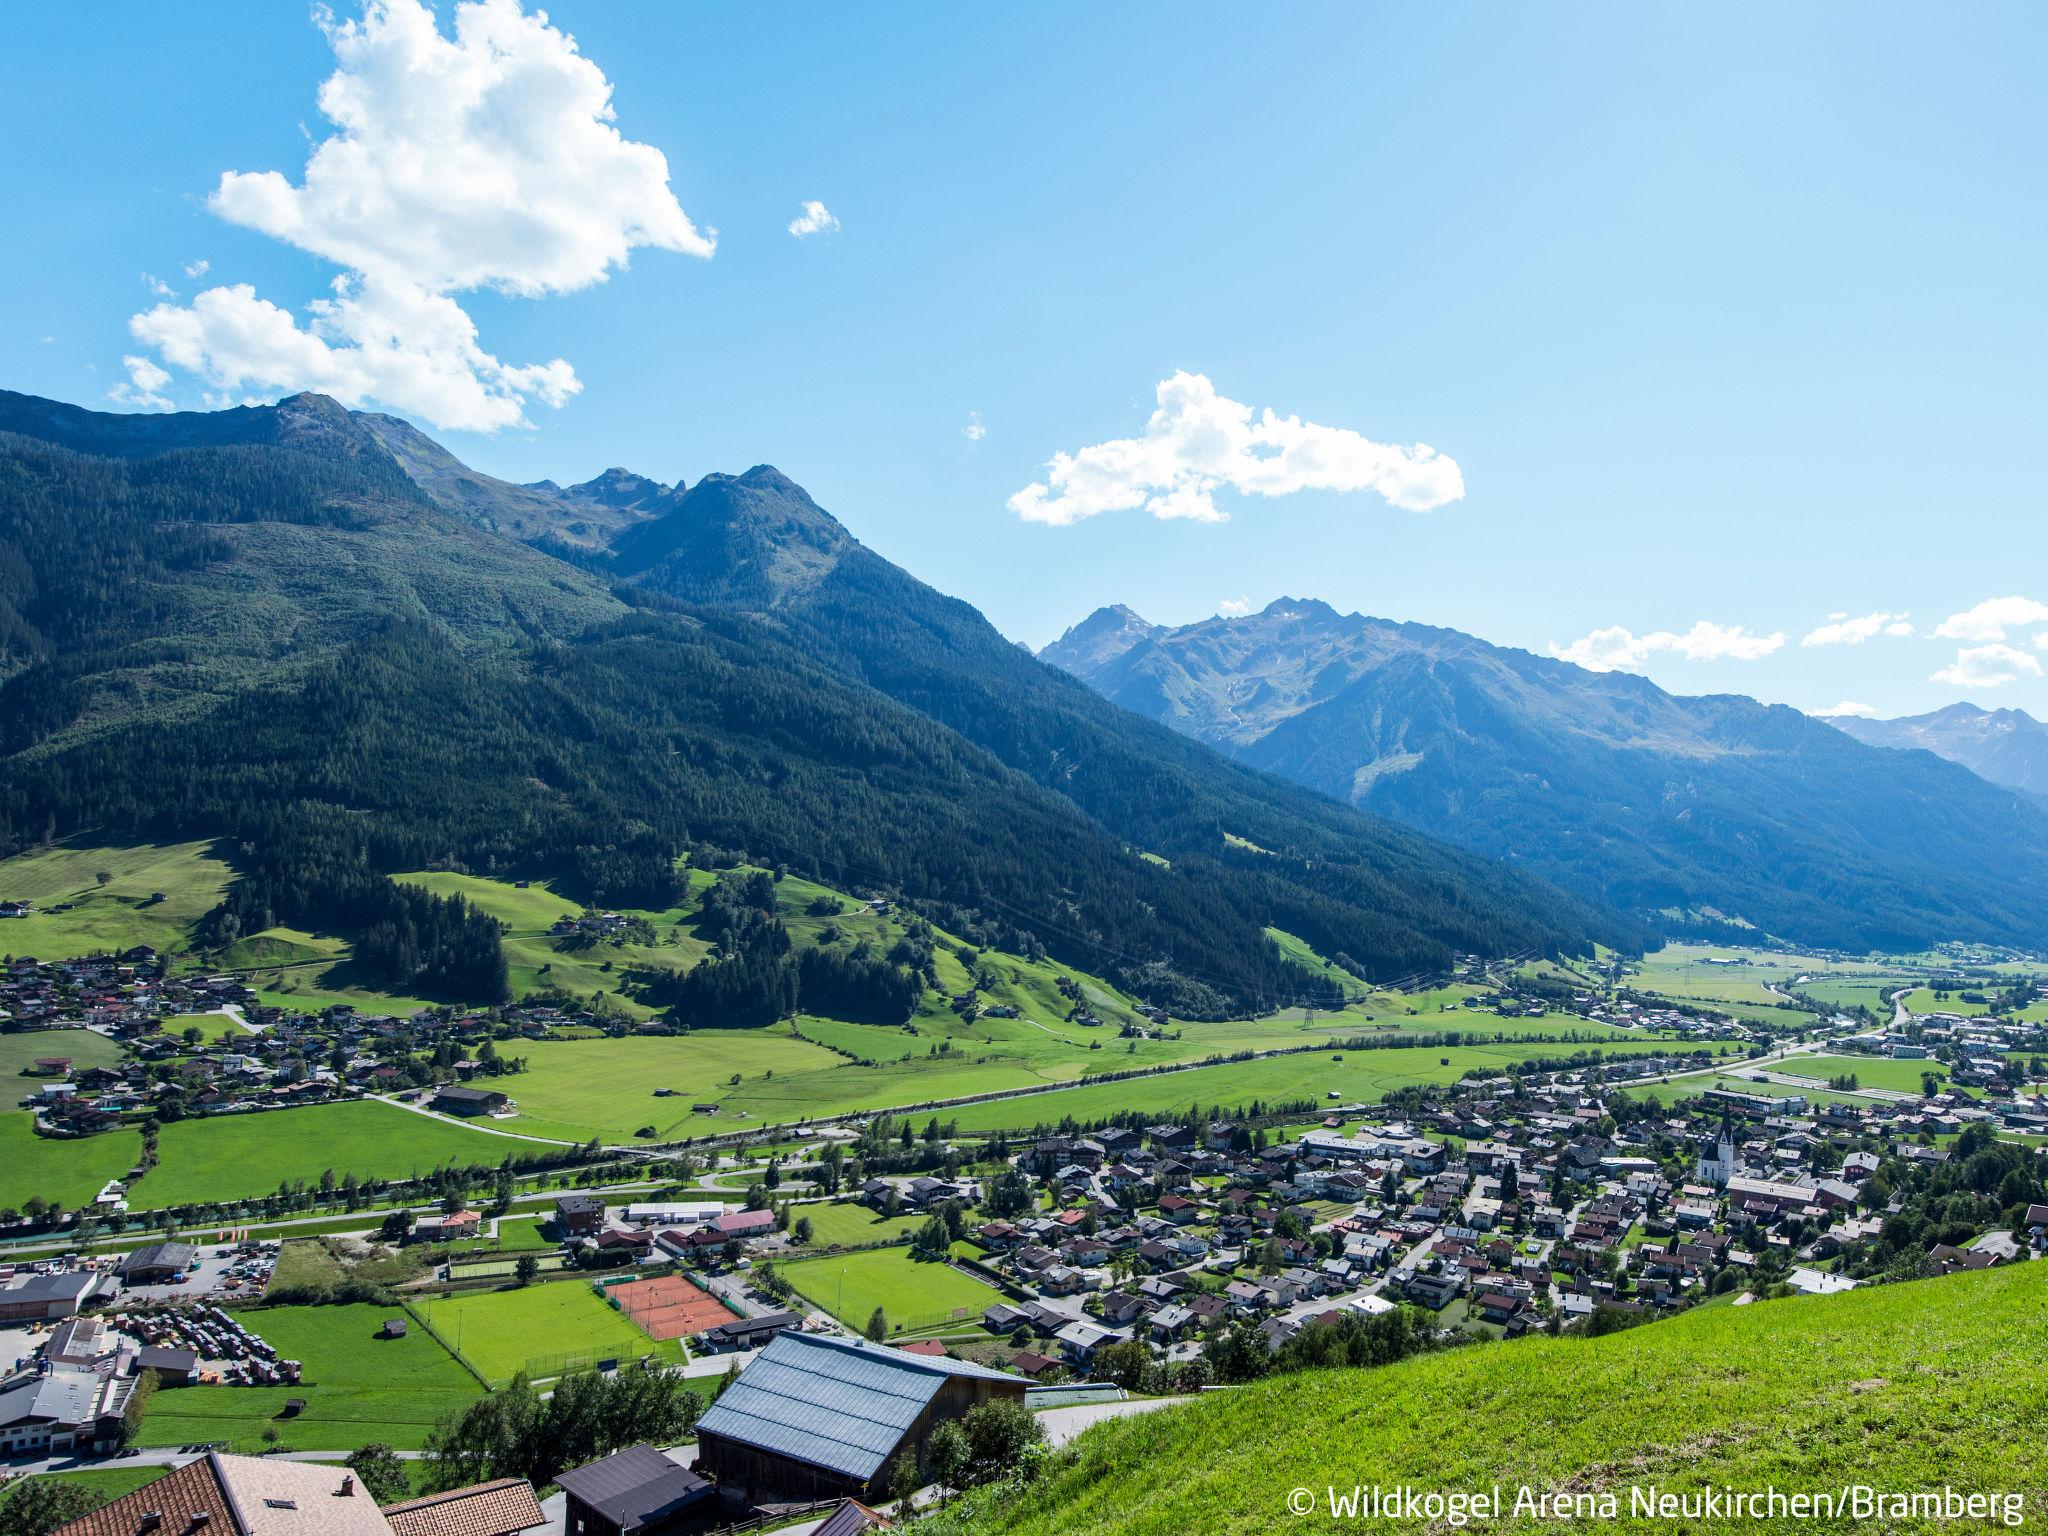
269 625
1684 810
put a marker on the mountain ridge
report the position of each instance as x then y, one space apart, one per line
2003 746
401 675
1686 810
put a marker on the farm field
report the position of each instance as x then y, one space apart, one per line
1734 1084
844 1224
574 1089
358 1388
18 1052
116 915
915 1295
1950 1000
70 1171
246 1156
1898 1386
541 1329
1870 1071
1360 1076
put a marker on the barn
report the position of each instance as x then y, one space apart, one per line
815 1417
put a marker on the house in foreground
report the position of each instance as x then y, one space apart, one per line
634 1492
816 1417
258 1496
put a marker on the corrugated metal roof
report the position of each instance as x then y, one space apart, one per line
841 1404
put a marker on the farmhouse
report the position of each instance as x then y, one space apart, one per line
637 1490
818 1417
259 1496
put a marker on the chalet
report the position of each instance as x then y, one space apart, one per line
819 1417
747 1332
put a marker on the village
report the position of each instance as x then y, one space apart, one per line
1088 1270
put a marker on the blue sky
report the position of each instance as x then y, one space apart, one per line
1728 317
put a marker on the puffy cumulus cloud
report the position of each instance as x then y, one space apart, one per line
1988 666
974 431
1197 442
815 219
1843 629
1848 708
485 160
1614 648
1990 619
144 386
1233 607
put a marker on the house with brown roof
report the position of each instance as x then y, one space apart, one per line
500 1508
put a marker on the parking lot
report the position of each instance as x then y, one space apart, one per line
219 1273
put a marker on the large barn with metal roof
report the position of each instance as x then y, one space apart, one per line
815 1417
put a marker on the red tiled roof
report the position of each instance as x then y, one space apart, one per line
176 1496
482 1509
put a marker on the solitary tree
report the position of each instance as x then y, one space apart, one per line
878 1326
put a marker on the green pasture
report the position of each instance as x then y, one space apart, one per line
358 1387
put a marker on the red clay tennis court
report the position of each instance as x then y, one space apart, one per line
669 1307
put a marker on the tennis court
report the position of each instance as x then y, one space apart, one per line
669 1307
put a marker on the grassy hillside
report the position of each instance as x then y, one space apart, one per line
1901 1387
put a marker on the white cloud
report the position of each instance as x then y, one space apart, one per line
143 388
1988 666
1990 619
1197 441
198 268
1234 607
158 286
1613 648
1841 629
816 219
1847 707
974 431
488 160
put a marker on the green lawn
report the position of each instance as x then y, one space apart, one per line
18 1052
1361 1076
70 1171
118 914
1900 1388
246 1156
573 1089
848 1225
1870 1071
539 1329
358 1388
916 1295
108 1482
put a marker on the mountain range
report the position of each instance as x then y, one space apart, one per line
2006 746
1696 814
317 636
